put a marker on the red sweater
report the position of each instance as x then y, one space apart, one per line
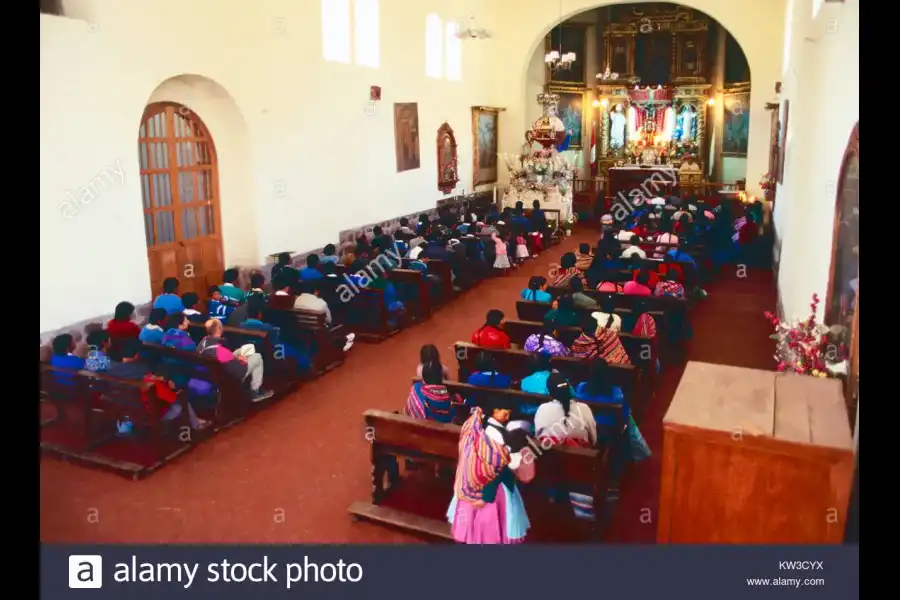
491 337
122 329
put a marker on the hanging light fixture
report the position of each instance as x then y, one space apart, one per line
557 60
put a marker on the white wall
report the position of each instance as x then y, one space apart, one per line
821 80
299 159
734 168
520 27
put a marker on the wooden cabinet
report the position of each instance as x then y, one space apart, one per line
753 457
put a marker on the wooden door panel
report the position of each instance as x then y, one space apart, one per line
179 185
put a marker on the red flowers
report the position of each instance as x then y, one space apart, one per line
804 346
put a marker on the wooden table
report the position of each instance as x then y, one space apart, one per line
752 457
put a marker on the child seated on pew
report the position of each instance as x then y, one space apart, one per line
229 289
430 354
581 300
640 285
63 358
563 313
153 331
219 306
430 399
536 383
487 507
567 422
329 253
669 286
486 374
169 299
584 257
257 283
282 350
121 326
98 351
132 368
670 265
545 341
598 389
190 301
634 249
566 271
491 334
536 290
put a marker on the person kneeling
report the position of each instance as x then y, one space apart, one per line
240 364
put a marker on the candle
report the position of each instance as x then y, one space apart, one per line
495 194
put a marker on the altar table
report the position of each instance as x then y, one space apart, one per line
552 201
635 181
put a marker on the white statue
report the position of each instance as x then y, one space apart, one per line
617 127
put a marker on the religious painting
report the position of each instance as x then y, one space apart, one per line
737 124
568 38
448 168
782 140
485 122
570 110
406 135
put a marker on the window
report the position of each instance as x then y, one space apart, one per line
338 44
434 42
817 6
788 25
336 30
366 28
453 49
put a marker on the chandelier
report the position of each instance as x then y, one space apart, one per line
606 75
472 31
557 61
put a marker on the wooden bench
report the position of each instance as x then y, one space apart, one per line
89 406
232 401
413 289
303 327
528 310
396 437
639 349
517 365
279 371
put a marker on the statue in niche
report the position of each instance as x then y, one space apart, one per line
684 125
617 127
448 166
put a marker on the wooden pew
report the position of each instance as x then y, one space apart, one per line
232 398
442 271
279 371
396 437
639 348
418 300
664 305
527 310
88 410
517 365
476 395
309 328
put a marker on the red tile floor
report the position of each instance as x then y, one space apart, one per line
289 474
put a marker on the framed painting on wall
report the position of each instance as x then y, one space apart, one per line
570 110
485 123
406 135
737 124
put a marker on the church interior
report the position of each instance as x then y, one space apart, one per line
652 200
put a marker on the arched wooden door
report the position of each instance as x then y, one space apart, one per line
180 189
842 303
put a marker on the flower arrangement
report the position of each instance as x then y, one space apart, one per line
807 347
767 183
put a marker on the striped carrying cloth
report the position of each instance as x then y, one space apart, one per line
481 459
430 402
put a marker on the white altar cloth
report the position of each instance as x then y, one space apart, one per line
552 200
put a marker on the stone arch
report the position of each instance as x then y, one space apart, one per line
740 19
227 125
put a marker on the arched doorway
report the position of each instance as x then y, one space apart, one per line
180 191
842 303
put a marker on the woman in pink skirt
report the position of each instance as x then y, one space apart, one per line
487 507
